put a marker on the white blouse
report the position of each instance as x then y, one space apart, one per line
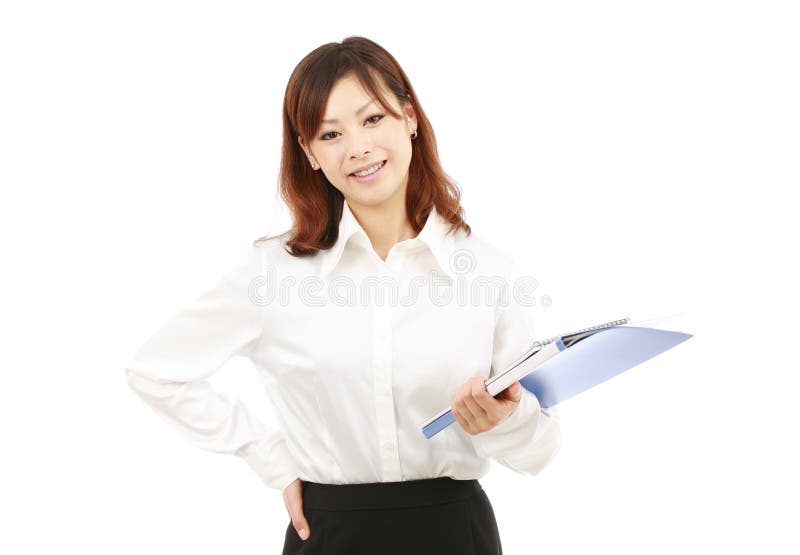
355 354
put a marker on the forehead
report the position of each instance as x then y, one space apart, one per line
348 96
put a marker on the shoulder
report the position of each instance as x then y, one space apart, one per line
270 255
271 246
272 241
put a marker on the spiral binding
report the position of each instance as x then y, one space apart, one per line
543 342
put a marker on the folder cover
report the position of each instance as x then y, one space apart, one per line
570 364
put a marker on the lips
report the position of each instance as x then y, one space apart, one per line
368 166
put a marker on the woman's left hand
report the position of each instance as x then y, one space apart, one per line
477 411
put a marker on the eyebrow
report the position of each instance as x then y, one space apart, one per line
364 107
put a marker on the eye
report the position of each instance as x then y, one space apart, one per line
326 136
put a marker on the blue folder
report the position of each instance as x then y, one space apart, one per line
585 361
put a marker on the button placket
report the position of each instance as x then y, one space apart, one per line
384 398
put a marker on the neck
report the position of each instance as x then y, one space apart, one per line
385 225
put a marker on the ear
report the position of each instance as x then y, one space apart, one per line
303 146
409 112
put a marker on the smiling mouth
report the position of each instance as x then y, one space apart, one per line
382 163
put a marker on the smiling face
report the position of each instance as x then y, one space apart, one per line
358 133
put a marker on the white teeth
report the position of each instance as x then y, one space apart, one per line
373 169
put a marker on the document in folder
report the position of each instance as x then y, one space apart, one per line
563 366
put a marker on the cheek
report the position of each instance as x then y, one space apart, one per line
330 159
395 145
404 153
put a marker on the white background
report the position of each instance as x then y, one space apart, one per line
639 158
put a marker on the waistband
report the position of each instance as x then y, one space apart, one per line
383 495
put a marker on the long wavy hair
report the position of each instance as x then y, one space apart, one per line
316 205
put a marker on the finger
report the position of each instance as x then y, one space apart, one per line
459 410
293 498
459 406
513 392
462 421
479 414
486 402
495 407
464 407
470 405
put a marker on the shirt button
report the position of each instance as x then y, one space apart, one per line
388 446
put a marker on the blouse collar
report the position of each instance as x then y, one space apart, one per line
434 235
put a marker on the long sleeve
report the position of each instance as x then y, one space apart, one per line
169 373
530 437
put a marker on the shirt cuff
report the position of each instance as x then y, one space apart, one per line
512 433
271 461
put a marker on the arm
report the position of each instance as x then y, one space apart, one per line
169 373
530 437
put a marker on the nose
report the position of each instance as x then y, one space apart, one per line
360 143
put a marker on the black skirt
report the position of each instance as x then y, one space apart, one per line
438 516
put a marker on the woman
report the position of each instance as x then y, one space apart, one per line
352 379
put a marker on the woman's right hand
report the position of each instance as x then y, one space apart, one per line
293 499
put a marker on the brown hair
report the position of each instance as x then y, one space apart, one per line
315 204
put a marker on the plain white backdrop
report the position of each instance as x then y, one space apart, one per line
639 159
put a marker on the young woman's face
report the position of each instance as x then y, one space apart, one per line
358 134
